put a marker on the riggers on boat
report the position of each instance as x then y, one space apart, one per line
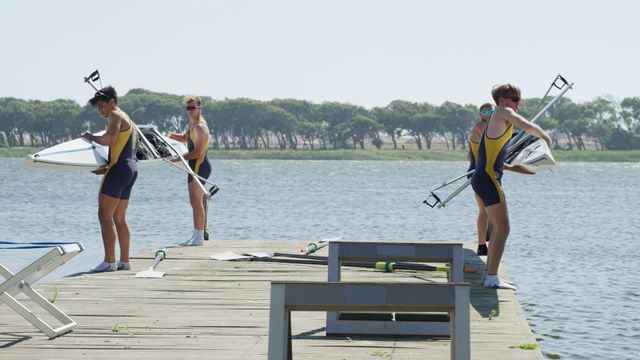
83 154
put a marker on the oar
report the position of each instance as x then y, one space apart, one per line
151 271
386 266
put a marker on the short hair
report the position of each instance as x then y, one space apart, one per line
485 105
105 94
504 91
189 98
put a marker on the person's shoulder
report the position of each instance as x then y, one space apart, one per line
505 113
202 125
118 114
476 131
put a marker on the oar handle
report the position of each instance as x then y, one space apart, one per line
313 247
160 255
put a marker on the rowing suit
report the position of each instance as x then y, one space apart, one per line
486 179
122 170
473 156
199 165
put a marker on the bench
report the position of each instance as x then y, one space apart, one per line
452 298
392 324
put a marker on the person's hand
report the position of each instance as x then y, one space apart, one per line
99 171
521 169
89 136
174 159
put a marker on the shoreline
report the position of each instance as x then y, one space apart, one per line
373 154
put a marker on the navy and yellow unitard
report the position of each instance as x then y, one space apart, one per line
122 170
486 179
199 165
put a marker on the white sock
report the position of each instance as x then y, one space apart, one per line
104 266
494 282
198 238
188 242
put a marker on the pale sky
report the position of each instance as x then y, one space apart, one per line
367 53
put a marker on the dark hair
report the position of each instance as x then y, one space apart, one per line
105 94
504 91
485 105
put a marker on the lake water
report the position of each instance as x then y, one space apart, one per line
573 252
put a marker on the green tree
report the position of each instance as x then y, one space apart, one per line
457 120
15 114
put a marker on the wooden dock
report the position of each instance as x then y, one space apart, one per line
208 309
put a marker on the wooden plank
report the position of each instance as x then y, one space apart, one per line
204 308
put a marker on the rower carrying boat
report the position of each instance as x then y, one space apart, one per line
82 154
523 149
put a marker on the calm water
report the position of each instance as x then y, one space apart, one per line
574 249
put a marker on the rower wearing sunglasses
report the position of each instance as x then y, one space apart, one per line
486 179
197 139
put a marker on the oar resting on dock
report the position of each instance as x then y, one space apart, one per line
277 257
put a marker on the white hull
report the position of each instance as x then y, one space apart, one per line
537 154
81 154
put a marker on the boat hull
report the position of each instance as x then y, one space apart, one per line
537 154
82 154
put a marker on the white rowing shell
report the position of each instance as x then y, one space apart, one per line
82 154
537 154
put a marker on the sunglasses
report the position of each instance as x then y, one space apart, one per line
100 94
191 107
487 112
515 99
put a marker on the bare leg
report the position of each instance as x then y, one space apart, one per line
499 217
124 236
195 197
481 224
106 208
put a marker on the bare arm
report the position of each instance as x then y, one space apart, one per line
476 132
114 123
178 137
521 169
526 125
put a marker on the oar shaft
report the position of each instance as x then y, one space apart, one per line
321 260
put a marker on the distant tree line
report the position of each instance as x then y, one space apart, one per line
295 124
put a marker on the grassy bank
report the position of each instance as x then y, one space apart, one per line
17 152
597 156
342 154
